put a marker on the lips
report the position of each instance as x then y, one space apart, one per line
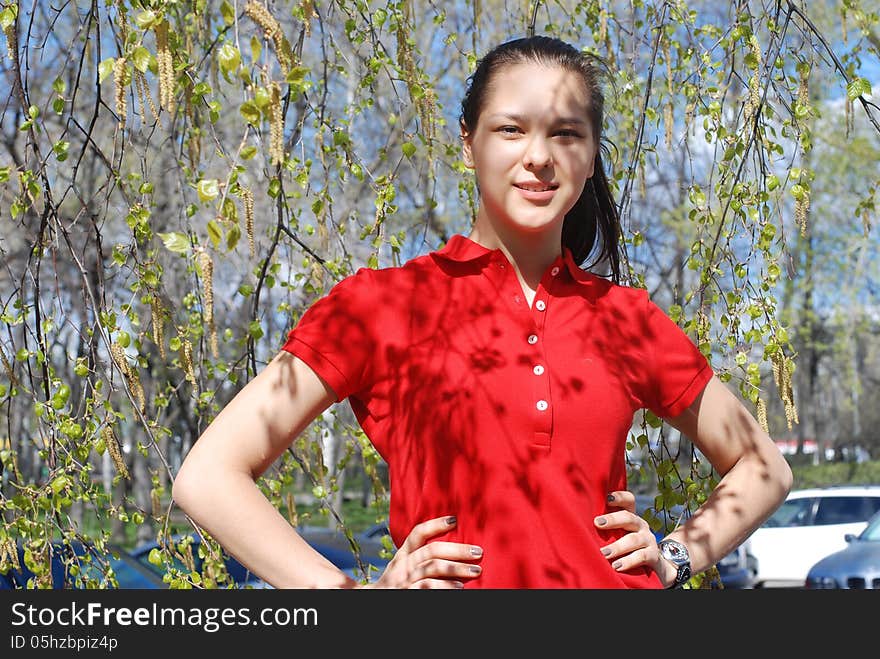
536 186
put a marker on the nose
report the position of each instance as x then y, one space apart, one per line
537 154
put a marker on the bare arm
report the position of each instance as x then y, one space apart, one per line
755 476
216 485
755 480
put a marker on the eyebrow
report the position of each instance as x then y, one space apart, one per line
521 118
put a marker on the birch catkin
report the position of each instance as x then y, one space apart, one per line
762 414
276 125
247 196
112 447
272 30
754 100
165 65
119 80
206 265
186 359
157 313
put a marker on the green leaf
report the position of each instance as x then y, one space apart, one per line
229 59
105 68
248 152
250 112
175 242
296 75
155 557
141 59
227 12
262 98
60 483
858 87
232 237
60 148
215 233
409 149
208 189
7 17
147 19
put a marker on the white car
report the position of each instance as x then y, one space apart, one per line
809 525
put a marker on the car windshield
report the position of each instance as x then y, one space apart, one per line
794 512
872 531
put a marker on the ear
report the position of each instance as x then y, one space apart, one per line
466 153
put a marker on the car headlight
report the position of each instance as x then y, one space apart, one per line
821 583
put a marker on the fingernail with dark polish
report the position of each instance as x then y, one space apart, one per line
617 565
458 584
601 521
475 569
451 520
605 551
476 551
610 497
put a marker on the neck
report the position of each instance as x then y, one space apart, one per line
529 253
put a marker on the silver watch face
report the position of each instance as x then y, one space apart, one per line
674 551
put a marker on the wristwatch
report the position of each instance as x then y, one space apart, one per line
677 554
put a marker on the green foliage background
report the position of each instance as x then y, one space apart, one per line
180 179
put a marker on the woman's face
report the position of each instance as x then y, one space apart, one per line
532 149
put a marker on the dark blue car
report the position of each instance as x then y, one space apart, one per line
77 565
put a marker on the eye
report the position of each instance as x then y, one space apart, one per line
508 130
565 132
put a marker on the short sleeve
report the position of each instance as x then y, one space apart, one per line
677 370
335 337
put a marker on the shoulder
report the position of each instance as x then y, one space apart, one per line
619 296
370 283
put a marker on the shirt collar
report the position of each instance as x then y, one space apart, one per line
462 249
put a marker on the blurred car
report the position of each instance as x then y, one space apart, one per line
79 565
736 570
809 525
331 545
368 562
240 575
857 567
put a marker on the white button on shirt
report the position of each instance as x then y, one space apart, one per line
555 271
533 339
542 405
540 305
538 370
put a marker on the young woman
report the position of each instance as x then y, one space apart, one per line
498 380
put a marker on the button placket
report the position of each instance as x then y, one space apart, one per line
541 401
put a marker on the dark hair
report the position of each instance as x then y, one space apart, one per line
592 225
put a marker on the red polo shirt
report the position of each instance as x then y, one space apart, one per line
513 419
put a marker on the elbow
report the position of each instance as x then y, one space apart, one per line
784 477
184 488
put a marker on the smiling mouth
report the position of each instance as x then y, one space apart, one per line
535 188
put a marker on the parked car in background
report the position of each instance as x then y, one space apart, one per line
368 561
78 565
240 575
331 544
857 567
736 570
809 525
